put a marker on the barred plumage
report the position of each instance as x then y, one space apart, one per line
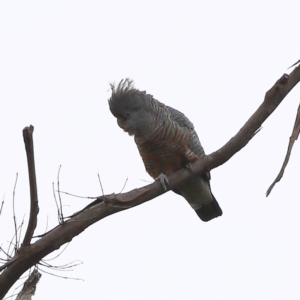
166 140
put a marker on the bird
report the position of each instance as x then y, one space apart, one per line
166 140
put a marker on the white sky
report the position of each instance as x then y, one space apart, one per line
212 60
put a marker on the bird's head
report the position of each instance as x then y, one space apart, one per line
127 105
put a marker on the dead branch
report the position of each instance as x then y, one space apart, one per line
296 63
293 138
60 211
104 206
34 207
272 99
14 217
29 287
1 207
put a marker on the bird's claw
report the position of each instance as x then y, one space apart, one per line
163 180
189 167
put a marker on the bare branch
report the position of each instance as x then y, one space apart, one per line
100 184
34 208
29 287
57 255
297 62
2 204
63 268
6 253
124 185
64 277
14 213
73 195
57 207
293 138
110 204
61 217
272 99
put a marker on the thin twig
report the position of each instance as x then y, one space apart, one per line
58 213
62 268
47 224
61 218
124 185
8 256
20 229
294 64
64 277
14 213
16 245
100 184
60 253
83 197
10 296
2 204
10 243
144 180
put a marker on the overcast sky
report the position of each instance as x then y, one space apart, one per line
212 60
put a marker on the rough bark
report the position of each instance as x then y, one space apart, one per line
29 286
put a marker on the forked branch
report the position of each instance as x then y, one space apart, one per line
110 204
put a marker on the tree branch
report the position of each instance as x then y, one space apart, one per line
29 286
293 138
110 204
34 207
272 99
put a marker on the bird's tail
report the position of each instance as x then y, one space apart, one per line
198 193
209 211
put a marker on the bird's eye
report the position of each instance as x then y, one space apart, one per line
127 114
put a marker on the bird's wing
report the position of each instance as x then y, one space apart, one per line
194 142
183 121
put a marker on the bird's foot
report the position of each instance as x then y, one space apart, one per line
189 167
163 180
